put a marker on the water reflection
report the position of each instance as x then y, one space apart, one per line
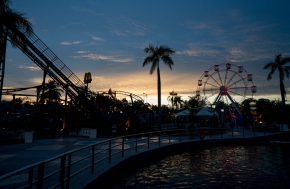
261 166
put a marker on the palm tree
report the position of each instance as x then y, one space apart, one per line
52 92
154 54
280 65
177 101
171 97
11 22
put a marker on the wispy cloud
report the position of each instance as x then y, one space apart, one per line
123 26
97 38
199 50
235 51
70 43
33 68
82 52
93 56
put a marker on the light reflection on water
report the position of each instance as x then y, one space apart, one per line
252 166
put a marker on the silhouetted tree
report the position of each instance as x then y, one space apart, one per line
10 22
171 96
280 65
154 55
177 101
51 92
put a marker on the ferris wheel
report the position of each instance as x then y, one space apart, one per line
226 82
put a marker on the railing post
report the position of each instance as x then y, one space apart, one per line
93 159
159 138
136 144
209 133
110 145
40 175
221 133
30 177
62 171
169 137
232 132
123 141
68 171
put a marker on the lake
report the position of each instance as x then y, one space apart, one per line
247 166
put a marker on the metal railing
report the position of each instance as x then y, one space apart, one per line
77 168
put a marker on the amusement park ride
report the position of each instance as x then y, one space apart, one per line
226 82
221 82
34 48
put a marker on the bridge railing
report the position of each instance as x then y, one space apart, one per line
77 168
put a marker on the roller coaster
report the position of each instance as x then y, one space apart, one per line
34 48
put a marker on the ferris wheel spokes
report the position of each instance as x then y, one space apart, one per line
210 77
212 94
226 76
211 84
220 76
239 88
229 81
224 83
238 94
242 79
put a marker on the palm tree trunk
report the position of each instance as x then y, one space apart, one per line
2 63
159 97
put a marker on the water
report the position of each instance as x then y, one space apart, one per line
251 166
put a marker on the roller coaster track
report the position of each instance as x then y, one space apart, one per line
9 91
41 55
124 93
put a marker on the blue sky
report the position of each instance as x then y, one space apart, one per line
107 38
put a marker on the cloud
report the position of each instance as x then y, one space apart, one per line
82 52
33 68
97 38
112 58
123 26
199 50
70 43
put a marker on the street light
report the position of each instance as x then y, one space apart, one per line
87 80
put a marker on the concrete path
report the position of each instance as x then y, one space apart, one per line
16 156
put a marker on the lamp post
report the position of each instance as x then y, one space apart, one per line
222 111
87 80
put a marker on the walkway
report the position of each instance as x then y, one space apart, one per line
16 156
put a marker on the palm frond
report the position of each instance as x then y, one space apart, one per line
269 65
155 63
167 61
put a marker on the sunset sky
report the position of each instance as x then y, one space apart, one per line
108 37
